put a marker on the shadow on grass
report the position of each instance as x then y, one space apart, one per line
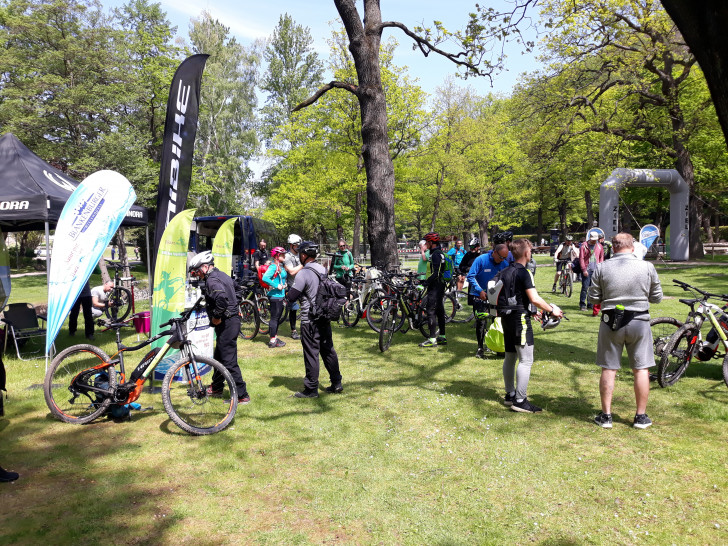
60 468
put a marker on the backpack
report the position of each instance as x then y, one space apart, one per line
330 298
262 269
502 291
447 268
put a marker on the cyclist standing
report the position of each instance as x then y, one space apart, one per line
566 251
343 264
316 339
470 256
435 292
275 277
260 256
457 253
591 254
222 308
484 268
293 265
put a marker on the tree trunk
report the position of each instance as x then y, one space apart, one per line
702 24
364 42
357 226
121 245
563 207
589 209
539 223
436 205
483 226
707 228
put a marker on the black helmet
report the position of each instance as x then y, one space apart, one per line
309 248
474 242
502 237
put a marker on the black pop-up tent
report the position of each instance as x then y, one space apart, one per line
33 192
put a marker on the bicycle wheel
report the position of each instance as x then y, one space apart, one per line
375 308
448 301
676 355
662 330
725 369
422 322
249 320
388 324
119 304
463 312
350 313
263 310
189 405
71 382
569 285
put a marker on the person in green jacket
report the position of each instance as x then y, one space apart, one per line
343 264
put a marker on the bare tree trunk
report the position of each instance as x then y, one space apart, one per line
105 277
436 204
483 226
539 224
123 258
707 228
589 209
357 226
562 216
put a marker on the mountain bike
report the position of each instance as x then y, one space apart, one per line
363 289
687 342
461 311
565 284
83 381
120 300
403 310
254 308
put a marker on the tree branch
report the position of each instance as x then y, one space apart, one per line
322 90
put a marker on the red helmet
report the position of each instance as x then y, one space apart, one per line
432 237
277 250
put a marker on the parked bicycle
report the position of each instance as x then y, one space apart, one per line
364 287
121 299
83 381
688 343
404 309
254 308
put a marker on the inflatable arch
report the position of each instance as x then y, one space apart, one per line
669 179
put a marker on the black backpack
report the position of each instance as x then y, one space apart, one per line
502 291
330 298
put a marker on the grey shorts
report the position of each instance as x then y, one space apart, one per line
636 337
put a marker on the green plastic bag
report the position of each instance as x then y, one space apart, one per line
494 337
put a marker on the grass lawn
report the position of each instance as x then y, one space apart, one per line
417 450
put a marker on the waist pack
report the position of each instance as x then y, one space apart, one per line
616 320
330 298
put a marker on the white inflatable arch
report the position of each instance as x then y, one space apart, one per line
669 179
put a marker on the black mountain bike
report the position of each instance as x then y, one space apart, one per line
403 310
82 382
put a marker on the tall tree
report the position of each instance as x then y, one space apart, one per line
226 136
294 72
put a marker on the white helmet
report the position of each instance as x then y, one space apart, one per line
294 239
549 320
198 260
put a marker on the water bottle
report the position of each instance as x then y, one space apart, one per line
618 317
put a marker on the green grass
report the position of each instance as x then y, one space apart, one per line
418 450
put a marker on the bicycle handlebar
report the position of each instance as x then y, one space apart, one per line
687 287
184 316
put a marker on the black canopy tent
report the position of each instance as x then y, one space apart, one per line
33 193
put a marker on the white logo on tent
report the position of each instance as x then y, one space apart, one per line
59 181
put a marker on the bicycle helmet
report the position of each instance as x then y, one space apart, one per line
549 321
294 239
198 260
432 237
569 237
502 237
474 242
309 248
277 250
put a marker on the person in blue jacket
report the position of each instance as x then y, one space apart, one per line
484 268
275 277
456 253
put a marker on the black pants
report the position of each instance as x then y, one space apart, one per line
435 308
276 310
226 352
88 318
316 339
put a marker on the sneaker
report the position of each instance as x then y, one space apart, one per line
244 400
441 340
479 353
335 389
525 407
582 308
642 421
306 394
508 399
277 343
211 392
7 476
553 289
295 335
604 420
429 343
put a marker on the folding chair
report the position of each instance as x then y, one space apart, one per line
23 327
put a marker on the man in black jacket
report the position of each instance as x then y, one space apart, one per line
222 308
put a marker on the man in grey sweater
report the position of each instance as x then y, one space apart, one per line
625 286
